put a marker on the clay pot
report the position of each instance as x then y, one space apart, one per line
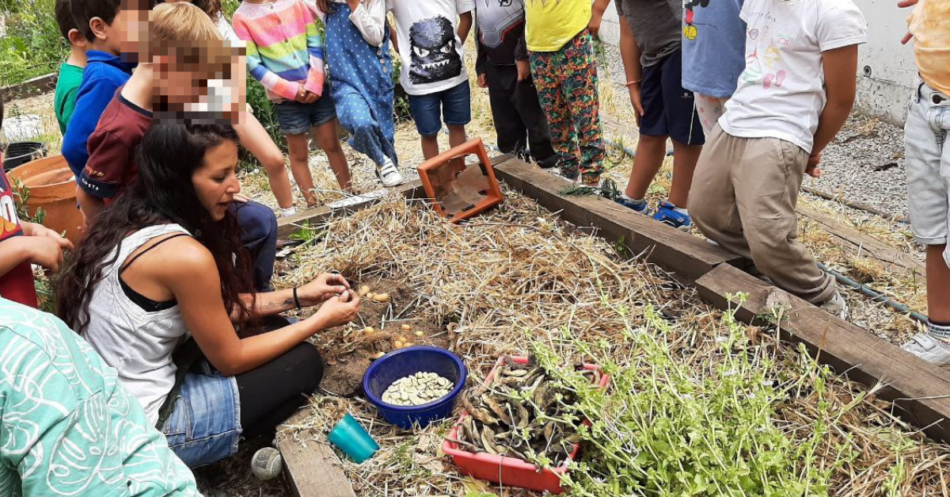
52 187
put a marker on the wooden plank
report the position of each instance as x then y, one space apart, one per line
919 390
290 224
31 87
312 470
688 256
867 245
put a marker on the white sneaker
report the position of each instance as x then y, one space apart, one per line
929 349
388 174
837 306
290 211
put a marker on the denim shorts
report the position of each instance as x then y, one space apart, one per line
296 118
927 156
205 423
454 105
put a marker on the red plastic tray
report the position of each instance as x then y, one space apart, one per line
508 470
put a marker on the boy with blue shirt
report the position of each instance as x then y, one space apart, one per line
102 23
650 46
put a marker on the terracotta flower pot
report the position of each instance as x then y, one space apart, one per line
52 187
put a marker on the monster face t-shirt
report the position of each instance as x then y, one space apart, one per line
431 51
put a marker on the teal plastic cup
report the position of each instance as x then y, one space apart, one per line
353 440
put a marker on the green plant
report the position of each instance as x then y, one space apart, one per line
33 45
22 194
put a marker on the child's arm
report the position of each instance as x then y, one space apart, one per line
465 25
840 66
255 64
481 60
370 21
630 54
316 76
597 15
42 250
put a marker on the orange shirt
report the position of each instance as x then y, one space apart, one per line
930 25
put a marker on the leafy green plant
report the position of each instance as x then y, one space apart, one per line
672 429
33 45
22 194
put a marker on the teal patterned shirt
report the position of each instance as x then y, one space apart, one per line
67 428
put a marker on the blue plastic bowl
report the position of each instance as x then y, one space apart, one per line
409 361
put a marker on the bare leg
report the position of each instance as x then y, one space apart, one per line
457 137
256 140
938 285
299 146
430 146
650 153
684 163
328 138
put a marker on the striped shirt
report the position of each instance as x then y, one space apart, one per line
284 48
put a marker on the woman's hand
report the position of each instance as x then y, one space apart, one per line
338 310
325 287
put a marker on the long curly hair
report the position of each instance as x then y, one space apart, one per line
167 158
211 7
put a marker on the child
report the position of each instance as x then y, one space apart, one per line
22 244
431 42
794 95
102 23
70 72
175 82
713 55
504 69
928 171
650 44
564 67
363 92
285 53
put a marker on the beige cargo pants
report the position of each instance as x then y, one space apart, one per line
743 197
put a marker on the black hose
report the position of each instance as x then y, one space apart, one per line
875 296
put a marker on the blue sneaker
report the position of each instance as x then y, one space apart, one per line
640 207
667 214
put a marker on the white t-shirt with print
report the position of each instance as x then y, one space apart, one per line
781 92
431 51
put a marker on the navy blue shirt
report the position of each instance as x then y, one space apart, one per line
104 74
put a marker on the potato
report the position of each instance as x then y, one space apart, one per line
371 295
378 355
406 327
420 333
364 291
368 329
379 297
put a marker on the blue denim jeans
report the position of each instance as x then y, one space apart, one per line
205 423
452 106
259 236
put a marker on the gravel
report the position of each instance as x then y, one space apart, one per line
866 164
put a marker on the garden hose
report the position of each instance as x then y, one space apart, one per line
875 296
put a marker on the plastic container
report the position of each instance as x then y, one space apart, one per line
406 362
20 153
52 187
353 440
459 191
507 470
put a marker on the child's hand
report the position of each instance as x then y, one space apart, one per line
44 251
903 4
812 168
636 101
524 69
594 26
482 81
305 97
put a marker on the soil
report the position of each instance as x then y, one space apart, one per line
349 351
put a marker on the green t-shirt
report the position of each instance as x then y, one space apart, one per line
67 427
67 87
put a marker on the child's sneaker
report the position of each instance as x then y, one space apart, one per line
669 215
388 174
929 349
637 205
837 306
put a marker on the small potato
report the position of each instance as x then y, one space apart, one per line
420 333
401 338
406 327
364 291
371 296
379 355
379 297
368 329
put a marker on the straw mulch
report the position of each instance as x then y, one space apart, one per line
519 275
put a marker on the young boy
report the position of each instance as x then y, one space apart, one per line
23 244
794 95
70 72
431 41
650 45
102 23
285 54
713 55
187 48
503 67
928 171
564 66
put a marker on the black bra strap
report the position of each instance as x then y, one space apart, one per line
140 254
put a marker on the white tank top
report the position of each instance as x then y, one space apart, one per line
137 343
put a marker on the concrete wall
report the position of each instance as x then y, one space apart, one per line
885 70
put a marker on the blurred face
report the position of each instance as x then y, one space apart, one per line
177 82
129 32
216 180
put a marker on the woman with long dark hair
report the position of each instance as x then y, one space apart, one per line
164 264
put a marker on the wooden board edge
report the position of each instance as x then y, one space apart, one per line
917 389
312 469
39 85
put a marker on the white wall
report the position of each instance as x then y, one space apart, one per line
885 70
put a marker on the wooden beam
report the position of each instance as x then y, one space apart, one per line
674 250
290 224
312 469
31 87
920 391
